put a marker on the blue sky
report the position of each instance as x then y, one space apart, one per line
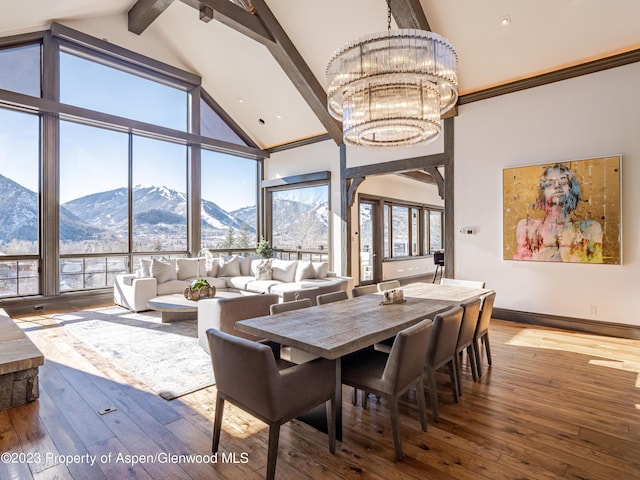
94 160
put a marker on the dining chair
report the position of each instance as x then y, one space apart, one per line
438 260
388 285
293 354
462 283
364 290
441 352
481 335
390 376
289 306
470 314
248 375
332 297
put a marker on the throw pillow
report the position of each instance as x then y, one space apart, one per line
229 267
187 268
163 272
210 265
305 270
284 270
145 267
245 266
264 271
321 268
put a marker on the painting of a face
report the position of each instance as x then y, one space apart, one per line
563 212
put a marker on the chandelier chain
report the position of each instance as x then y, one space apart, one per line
388 15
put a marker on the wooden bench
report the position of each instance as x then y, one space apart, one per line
19 362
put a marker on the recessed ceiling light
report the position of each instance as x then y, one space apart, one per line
241 100
506 20
278 116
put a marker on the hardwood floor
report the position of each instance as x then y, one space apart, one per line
555 404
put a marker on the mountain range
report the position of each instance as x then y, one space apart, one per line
155 208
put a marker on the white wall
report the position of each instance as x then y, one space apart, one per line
586 117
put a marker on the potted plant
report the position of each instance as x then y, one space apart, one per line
198 289
264 250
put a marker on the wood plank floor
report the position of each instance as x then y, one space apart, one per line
555 404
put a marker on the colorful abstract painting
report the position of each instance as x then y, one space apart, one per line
563 212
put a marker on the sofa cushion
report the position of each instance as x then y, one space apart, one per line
245 266
162 271
263 270
284 270
187 268
262 286
145 267
171 286
305 270
229 267
239 282
209 265
321 268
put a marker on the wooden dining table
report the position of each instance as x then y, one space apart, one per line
336 329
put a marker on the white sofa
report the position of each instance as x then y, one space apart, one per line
290 280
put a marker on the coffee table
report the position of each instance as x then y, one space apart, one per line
174 307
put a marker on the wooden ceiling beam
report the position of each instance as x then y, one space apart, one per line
144 12
235 17
292 63
409 14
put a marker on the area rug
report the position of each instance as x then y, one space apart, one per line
165 357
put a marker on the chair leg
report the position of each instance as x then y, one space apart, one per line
395 426
354 396
453 375
272 454
365 398
457 360
477 347
217 423
433 394
422 409
487 347
471 353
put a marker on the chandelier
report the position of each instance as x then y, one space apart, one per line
391 88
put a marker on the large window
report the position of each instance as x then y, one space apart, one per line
87 83
102 170
19 203
20 69
159 195
228 210
411 230
300 217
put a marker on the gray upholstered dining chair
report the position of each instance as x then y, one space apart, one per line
364 290
390 376
293 354
388 285
249 376
441 352
289 306
481 335
470 314
332 297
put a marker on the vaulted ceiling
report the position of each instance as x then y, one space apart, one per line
266 59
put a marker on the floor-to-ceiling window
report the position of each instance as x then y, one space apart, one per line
228 210
19 203
100 163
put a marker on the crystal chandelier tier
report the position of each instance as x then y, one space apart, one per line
391 88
